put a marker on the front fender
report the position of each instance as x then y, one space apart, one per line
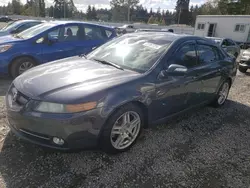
143 94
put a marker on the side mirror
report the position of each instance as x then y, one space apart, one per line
52 40
173 70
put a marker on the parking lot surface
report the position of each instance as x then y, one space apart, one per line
206 148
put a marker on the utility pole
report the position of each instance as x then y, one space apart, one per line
64 9
128 13
179 16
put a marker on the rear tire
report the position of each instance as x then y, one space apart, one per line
222 94
122 129
21 65
243 69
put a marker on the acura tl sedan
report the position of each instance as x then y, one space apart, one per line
107 97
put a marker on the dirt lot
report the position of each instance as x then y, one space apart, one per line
207 148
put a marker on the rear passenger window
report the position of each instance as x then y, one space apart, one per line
186 56
207 54
94 33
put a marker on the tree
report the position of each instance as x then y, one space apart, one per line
41 8
124 4
182 11
151 12
16 7
93 13
89 13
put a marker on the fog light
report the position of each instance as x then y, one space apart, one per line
58 141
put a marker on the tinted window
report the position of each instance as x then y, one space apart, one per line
207 54
230 42
225 42
94 33
38 29
71 33
54 34
26 26
186 56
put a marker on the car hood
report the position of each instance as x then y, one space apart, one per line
69 79
8 39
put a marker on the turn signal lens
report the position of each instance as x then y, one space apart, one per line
80 107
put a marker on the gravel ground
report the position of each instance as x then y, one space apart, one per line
206 148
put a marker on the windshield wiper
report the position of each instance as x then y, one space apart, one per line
108 63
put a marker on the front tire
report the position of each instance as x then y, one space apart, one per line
21 65
122 129
243 69
222 94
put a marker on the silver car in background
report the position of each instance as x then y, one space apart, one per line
228 45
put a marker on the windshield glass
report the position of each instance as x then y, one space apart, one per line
136 53
33 31
10 26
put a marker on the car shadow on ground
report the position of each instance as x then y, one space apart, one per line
4 85
186 148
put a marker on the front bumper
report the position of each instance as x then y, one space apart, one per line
244 63
78 131
4 64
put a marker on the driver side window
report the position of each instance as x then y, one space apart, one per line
186 56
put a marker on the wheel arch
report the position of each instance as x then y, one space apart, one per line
21 56
139 104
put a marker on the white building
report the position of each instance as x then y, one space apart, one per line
236 27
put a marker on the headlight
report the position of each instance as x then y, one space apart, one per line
65 108
4 48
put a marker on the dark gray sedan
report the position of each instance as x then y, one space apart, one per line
228 45
107 97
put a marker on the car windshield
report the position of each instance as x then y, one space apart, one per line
33 31
136 53
10 26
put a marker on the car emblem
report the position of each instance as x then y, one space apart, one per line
15 95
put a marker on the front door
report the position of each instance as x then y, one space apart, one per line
172 93
210 59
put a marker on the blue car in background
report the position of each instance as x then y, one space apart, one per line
18 26
48 42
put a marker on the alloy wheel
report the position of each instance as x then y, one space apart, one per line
25 66
125 130
223 93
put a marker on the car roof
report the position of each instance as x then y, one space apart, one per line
215 38
23 21
77 22
170 36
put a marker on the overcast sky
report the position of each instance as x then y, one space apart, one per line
82 4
